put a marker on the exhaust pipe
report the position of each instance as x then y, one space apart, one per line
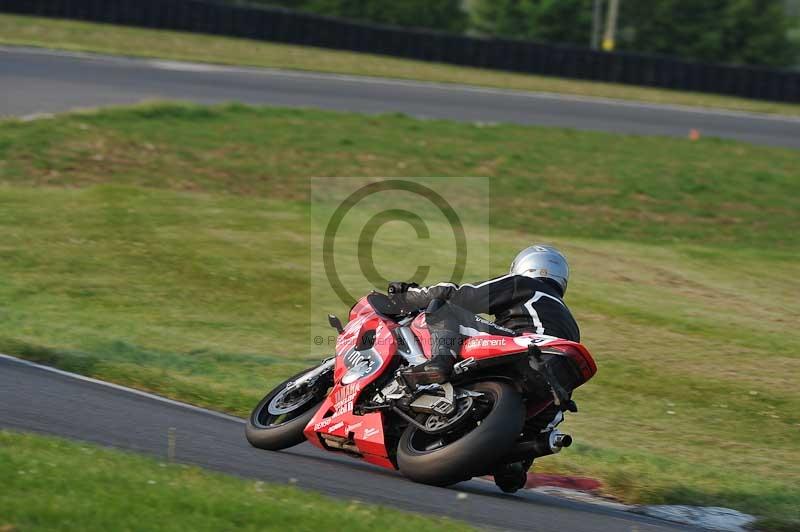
544 444
560 440
341 444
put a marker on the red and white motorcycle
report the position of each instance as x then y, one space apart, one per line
498 413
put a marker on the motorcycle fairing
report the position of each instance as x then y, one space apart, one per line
420 329
360 359
487 346
366 432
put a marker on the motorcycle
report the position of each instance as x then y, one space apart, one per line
497 414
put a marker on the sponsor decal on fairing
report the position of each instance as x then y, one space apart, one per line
343 398
525 341
370 432
322 424
478 341
335 427
353 427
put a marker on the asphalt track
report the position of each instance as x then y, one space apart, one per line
41 81
40 400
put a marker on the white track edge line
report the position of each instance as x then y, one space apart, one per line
119 387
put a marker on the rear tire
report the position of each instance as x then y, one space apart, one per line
474 453
287 430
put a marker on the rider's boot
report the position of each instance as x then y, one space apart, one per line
437 370
512 477
445 345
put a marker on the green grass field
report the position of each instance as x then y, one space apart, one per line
167 247
52 484
83 36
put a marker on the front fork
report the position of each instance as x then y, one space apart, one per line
311 377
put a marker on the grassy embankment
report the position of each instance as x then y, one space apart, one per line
166 247
83 36
52 484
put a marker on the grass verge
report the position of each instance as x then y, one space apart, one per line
52 484
167 247
83 36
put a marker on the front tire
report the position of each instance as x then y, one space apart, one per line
279 419
438 461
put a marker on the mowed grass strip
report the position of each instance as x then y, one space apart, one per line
52 484
560 181
167 247
103 38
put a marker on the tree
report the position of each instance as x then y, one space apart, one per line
757 32
560 21
685 28
728 31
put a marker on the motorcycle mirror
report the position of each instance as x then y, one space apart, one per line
336 323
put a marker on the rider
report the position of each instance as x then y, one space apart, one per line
528 299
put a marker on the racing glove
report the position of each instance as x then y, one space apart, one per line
400 287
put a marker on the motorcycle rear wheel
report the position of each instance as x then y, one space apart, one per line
279 419
444 459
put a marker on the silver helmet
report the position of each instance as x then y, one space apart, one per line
542 261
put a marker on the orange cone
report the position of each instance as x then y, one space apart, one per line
694 135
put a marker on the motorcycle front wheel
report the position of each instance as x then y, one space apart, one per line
279 419
472 447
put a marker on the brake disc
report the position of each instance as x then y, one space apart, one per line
435 423
283 402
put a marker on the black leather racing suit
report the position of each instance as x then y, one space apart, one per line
519 304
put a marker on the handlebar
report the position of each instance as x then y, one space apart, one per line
388 309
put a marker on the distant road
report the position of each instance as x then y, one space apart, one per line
42 81
42 400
